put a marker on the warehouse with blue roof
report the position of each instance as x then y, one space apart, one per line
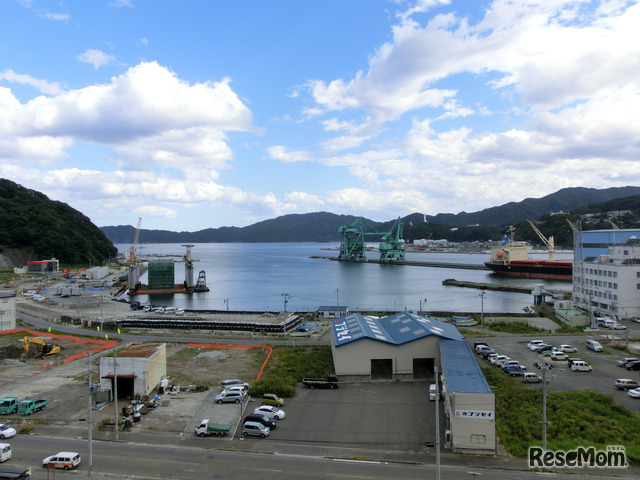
406 346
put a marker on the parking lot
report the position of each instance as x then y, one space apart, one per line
561 378
385 415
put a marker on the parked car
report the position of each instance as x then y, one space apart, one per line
635 319
634 393
498 358
570 360
531 377
534 343
230 396
626 384
486 353
501 361
558 355
568 349
618 326
256 429
489 356
271 412
633 365
260 418
546 350
272 399
626 360
6 431
64 460
510 363
233 381
593 345
238 388
581 366
482 348
516 370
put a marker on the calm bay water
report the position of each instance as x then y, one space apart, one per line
256 277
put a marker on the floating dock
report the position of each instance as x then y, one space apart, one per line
452 282
413 263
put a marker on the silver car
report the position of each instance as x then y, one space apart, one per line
255 429
230 396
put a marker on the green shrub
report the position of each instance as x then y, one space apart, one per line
578 418
513 327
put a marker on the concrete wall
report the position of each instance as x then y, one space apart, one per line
353 360
148 371
472 422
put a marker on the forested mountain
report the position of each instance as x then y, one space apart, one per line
34 228
488 224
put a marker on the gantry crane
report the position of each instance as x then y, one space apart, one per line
392 245
352 246
547 241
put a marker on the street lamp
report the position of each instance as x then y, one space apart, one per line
286 300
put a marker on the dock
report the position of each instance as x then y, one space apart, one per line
452 282
413 263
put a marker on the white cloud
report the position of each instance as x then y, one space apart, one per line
50 88
278 152
156 211
97 58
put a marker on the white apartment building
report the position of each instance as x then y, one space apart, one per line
611 283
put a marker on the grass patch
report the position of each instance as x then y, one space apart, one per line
513 327
578 418
289 365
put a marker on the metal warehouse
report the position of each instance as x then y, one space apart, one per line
406 346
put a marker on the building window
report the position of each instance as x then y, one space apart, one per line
615 274
615 286
478 438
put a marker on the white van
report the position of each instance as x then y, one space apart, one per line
64 460
433 391
170 310
593 345
5 452
580 366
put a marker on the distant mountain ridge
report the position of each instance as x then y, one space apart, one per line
323 226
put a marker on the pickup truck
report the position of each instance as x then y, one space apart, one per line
330 382
207 428
27 407
8 405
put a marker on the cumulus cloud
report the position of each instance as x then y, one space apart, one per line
97 58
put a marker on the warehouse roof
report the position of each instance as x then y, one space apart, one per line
396 329
461 369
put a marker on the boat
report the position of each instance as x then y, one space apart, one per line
512 259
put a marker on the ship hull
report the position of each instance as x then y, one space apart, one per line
551 270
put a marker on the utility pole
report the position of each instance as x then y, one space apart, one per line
435 371
286 299
89 416
115 388
482 294
544 422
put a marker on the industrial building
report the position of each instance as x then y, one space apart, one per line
43 266
405 346
138 370
606 272
7 311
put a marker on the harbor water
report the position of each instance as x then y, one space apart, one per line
263 276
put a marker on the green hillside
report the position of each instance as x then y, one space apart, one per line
34 227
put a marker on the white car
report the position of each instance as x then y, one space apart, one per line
498 358
558 355
271 412
618 326
232 382
6 431
534 343
568 349
635 393
623 361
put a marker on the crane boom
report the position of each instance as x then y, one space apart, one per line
547 241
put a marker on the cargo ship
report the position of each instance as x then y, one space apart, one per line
512 259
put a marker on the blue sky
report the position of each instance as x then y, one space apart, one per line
204 114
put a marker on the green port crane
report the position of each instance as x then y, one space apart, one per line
392 245
352 246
